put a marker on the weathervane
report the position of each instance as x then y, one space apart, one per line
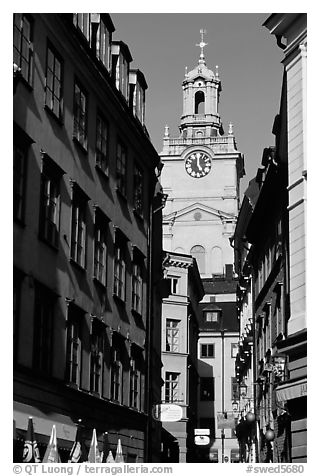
202 44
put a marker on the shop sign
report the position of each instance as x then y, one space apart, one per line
201 440
201 431
167 412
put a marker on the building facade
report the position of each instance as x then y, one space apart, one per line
87 238
290 31
269 247
180 328
201 175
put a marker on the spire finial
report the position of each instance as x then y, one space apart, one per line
230 131
202 44
166 131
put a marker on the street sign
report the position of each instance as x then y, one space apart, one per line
167 412
225 421
201 440
201 431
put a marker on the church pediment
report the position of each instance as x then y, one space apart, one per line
198 212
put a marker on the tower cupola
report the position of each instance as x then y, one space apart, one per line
201 88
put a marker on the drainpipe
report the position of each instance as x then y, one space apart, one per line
222 393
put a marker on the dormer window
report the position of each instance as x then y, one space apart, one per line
138 86
121 59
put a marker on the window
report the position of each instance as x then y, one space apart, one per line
211 316
102 144
43 319
206 388
100 248
53 91
74 345
235 389
22 45
174 285
50 202
121 168
19 181
78 226
82 22
80 113
135 381
103 45
116 376
207 350
171 387
96 357
172 335
119 271
138 190
199 102
199 254
137 284
234 350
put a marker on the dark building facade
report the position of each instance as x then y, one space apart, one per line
269 245
87 238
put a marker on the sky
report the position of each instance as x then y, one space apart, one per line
163 44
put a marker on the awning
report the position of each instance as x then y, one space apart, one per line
66 428
291 390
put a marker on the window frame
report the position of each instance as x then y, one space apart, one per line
234 349
20 163
172 335
121 168
56 79
207 346
137 287
74 346
119 273
100 248
116 376
215 315
80 115
103 45
78 227
102 144
134 384
25 43
172 387
97 338
50 199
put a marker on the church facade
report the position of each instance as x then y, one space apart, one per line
201 176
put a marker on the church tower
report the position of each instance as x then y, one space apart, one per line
201 176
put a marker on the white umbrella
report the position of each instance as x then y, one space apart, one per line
94 453
119 455
110 458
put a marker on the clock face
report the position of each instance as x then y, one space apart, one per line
198 164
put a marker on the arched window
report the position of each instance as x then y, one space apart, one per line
199 102
199 253
179 250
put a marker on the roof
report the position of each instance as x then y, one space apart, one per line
219 286
228 322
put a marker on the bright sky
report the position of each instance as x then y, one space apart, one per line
163 44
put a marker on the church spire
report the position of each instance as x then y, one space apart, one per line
202 44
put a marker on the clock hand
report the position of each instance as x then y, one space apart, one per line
198 162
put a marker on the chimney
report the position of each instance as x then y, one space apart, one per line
229 272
